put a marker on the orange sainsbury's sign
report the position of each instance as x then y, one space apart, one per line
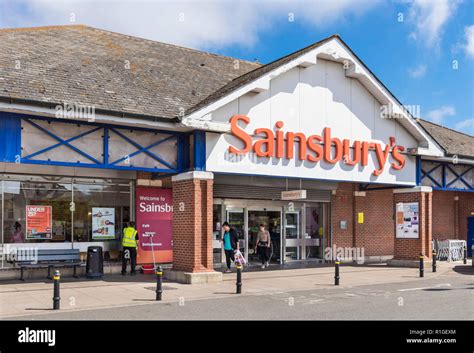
314 148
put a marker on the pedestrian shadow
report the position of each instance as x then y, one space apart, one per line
464 269
219 293
40 309
144 300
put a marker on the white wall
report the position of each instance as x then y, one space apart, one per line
308 100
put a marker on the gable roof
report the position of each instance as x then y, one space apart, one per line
255 74
116 73
453 142
264 69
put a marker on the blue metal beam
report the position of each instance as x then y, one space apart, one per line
458 177
10 135
443 184
62 142
102 166
199 150
427 174
10 138
145 150
142 149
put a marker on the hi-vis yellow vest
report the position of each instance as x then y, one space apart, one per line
128 239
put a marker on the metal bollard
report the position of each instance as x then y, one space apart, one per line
465 255
159 282
56 297
434 261
422 266
239 279
336 276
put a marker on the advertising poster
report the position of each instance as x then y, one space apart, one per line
407 220
39 222
103 223
154 211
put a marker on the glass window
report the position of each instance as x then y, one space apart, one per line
37 209
217 233
101 210
36 212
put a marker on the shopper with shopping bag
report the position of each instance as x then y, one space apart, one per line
231 244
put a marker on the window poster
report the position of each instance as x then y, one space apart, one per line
407 220
103 223
39 222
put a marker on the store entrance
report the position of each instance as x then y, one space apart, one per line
271 220
297 229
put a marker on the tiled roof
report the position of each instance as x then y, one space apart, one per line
453 142
110 71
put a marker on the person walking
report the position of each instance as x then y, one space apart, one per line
262 247
231 244
129 244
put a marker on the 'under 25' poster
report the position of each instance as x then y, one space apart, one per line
39 222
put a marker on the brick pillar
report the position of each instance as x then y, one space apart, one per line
192 222
410 249
456 216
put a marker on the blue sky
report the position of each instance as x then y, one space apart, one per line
423 50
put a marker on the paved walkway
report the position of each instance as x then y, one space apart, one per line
35 297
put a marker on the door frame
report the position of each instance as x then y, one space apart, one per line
246 205
470 233
264 209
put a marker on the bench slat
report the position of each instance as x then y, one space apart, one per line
57 251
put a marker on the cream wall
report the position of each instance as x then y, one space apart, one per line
308 100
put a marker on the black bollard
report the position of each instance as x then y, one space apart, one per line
56 297
434 261
422 264
239 279
159 282
336 276
465 255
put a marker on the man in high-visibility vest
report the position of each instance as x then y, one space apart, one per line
130 244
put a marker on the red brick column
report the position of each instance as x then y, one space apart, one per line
192 222
410 249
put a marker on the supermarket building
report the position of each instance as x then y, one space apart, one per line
312 145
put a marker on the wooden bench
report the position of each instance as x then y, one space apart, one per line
52 258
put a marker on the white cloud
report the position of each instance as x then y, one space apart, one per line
197 24
466 126
469 37
430 18
438 115
418 71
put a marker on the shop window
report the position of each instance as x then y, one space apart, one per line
36 212
53 210
101 210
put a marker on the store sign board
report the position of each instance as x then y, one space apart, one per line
39 222
327 152
154 214
103 223
407 220
314 148
293 195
